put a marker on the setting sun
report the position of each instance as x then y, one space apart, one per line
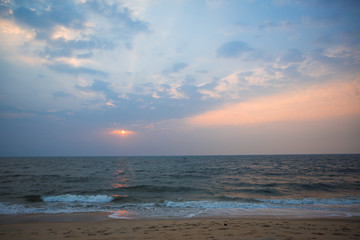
121 132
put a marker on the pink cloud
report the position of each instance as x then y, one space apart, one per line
316 102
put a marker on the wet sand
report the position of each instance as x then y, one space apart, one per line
209 228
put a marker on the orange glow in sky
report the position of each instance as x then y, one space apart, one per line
121 132
318 102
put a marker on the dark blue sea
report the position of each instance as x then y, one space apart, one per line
183 186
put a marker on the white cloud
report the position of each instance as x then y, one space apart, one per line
13 30
343 51
232 85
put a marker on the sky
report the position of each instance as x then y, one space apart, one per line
180 77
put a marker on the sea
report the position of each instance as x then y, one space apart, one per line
183 186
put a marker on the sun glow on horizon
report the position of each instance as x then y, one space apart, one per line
121 132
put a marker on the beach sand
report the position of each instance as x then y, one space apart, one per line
208 228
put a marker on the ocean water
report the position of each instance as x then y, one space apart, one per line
183 186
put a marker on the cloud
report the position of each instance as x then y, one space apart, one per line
121 17
168 91
272 25
61 95
190 91
68 69
12 115
7 112
233 49
350 38
85 55
235 84
214 3
175 68
4 11
105 88
333 63
102 88
73 28
292 56
317 102
322 21
352 5
44 15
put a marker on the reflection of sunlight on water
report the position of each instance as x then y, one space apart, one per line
121 214
117 185
121 176
119 196
119 171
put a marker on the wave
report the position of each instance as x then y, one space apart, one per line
69 203
33 198
79 198
314 201
209 204
238 199
219 202
252 203
13 209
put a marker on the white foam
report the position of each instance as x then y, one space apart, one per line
122 214
6 208
78 198
212 204
314 201
185 209
12 209
307 203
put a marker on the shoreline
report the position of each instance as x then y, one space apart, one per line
54 217
288 214
255 227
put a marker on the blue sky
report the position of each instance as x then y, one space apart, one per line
92 77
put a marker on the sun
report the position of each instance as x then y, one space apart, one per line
121 132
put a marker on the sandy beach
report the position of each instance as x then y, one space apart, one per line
209 228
